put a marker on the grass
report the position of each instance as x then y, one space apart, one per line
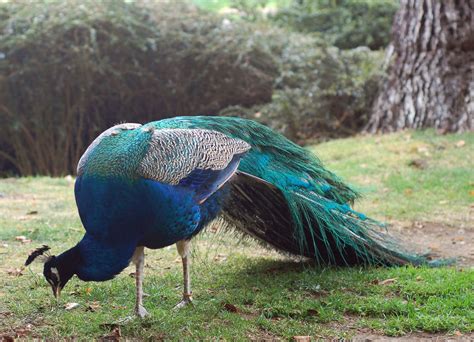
439 187
244 292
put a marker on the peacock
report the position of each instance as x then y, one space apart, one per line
163 182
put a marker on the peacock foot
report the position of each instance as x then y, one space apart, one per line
141 312
187 300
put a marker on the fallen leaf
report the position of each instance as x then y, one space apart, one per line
23 331
220 257
460 143
6 338
388 281
119 307
22 239
70 306
16 272
408 191
457 333
115 332
443 202
319 293
94 306
471 192
230 307
418 224
88 291
418 163
302 338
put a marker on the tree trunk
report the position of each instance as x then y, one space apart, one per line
431 74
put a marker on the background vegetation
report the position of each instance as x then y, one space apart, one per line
70 69
346 24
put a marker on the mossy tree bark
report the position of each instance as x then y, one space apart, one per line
431 73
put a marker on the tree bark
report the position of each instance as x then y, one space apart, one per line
430 79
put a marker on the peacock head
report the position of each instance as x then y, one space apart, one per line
57 270
57 274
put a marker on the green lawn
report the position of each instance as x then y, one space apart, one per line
243 291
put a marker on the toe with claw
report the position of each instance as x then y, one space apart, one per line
187 300
141 312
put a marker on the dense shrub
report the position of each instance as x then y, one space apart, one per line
346 24
322 91
70 69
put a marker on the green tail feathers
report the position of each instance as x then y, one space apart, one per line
300 207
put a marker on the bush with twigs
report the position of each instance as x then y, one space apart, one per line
70 69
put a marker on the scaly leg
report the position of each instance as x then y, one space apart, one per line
184 248
139 260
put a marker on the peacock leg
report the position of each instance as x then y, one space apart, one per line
139 260
184 248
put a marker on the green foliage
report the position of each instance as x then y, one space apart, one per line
321 91
249 10
346 24
73 68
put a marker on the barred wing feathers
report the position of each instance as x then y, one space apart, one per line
200 159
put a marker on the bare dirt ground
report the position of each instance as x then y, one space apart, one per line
441 240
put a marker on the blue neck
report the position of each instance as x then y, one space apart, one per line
101 261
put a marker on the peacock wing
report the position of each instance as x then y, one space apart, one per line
197 159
